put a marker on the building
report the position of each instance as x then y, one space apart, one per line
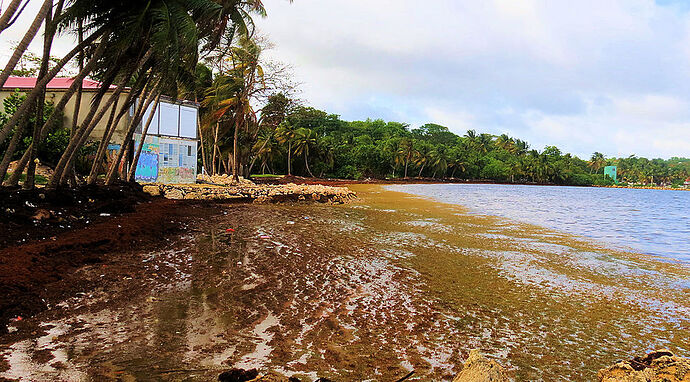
169 154
611 172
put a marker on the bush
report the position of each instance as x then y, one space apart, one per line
602 180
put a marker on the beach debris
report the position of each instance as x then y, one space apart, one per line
104 214
229 230
478 368
264 237
18 318
238 375
42 214
657 366
290 222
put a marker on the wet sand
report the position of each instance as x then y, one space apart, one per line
368 290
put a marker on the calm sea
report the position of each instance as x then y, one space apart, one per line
655 222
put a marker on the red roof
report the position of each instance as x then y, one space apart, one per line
55 83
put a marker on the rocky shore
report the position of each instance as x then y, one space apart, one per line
248 191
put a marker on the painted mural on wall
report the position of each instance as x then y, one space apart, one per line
177 161
164 160
111 155
147 167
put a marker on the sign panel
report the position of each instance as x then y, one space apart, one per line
153 128
188 122
169 119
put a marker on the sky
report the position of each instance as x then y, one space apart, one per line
590 75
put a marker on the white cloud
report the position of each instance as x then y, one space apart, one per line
606 75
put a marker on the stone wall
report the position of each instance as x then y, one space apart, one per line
254 193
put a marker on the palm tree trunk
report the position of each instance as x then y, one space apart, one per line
201 143
26 40
14 179
420 171
12 146
112 172
406 163
306 163
215 149
111 127
51 28
108 132
289 158
133 167
31 97
9 14
87 126
90 123
235 161
77 102
251 165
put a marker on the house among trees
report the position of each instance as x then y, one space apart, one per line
169 152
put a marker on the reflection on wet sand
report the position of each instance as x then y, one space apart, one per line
370 291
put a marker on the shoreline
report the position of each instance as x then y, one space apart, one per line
344 182
297 275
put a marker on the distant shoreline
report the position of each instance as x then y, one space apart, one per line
343 182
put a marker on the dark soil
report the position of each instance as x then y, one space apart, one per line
47 235
27 215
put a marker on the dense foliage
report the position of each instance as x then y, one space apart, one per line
56 141
323 144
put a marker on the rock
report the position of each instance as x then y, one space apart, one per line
174 193
478 368
657 366
152 190
253 192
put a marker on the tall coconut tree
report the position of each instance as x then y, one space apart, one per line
596 162
304 140
285 135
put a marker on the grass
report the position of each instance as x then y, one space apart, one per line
39 179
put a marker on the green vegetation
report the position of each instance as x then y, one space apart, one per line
309 142
40 179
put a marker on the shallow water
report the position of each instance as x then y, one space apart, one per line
368 291
653 222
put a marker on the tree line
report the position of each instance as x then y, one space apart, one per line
299 140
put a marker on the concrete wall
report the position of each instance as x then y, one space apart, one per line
85 106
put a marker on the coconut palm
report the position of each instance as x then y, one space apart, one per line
285 134
596 162
405 153
304 140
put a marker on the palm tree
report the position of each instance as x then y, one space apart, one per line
26 40
266 150
506 143
304 140
596 162
285 134
422 155
405 153
438 159
10 15
231 97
